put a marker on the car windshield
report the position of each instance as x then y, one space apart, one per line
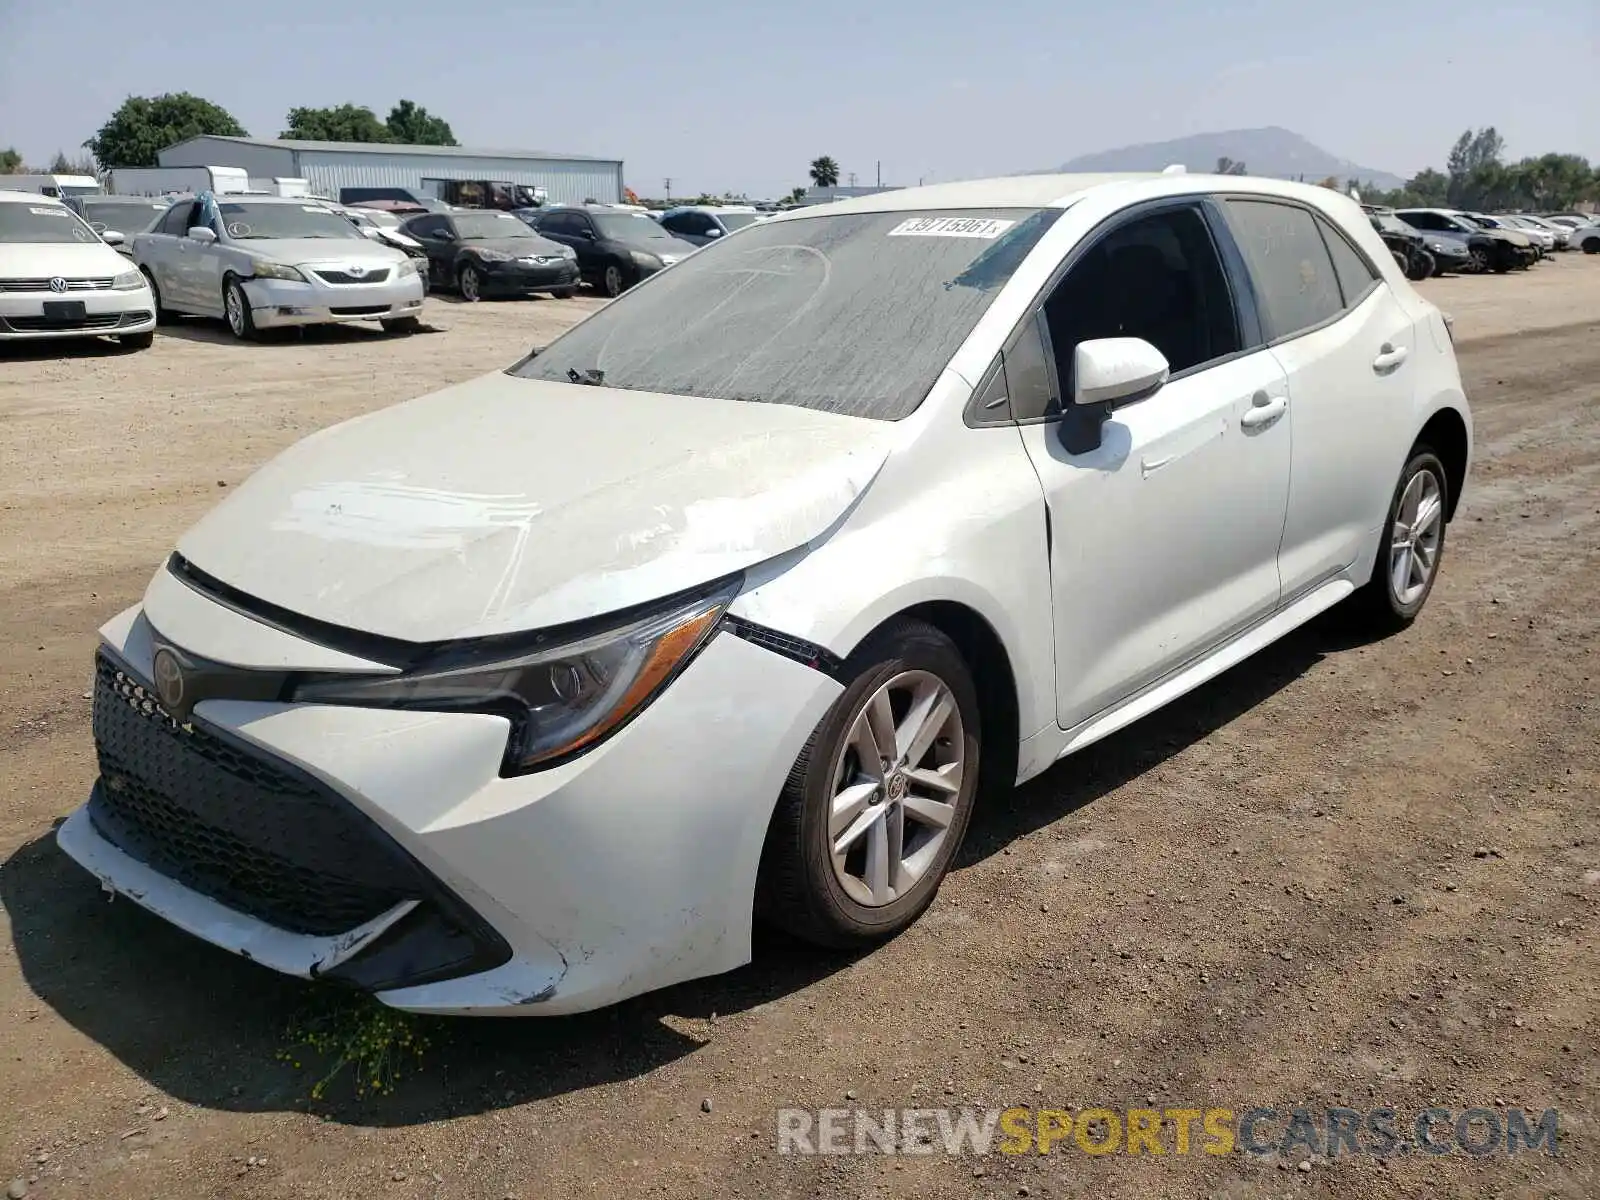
124 218
37 223
478 227
737 220
854 313
1390 223
630 227
385 220
264 222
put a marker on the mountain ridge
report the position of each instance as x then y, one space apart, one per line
1268 150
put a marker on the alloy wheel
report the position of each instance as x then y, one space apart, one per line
1414 544
896 780
613 281
233 304
470 288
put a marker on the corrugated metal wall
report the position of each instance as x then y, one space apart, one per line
568 180
261 162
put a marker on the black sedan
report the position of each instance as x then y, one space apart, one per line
615 249
486 253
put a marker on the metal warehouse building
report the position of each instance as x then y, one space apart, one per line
329 166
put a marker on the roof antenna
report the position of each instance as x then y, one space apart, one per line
1175 169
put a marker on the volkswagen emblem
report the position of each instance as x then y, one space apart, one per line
357 271
169 679
58 284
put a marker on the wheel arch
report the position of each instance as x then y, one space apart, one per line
1447 434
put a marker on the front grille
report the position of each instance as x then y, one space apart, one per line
231 822
43 285
377 276
97 323
360 310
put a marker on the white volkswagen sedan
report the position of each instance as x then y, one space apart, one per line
733 602
59 279
261 262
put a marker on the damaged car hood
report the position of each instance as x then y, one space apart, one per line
509 504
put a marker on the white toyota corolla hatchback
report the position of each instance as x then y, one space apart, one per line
731 603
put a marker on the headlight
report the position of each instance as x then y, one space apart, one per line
492 256
408 266
641 259
272 270
128 281
567 251
561 696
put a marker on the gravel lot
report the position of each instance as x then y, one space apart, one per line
1341 874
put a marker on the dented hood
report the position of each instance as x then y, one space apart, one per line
510 504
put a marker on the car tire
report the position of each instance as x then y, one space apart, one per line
236 312
1591 245
469 283
564 293
137 341
612 281
1394 594
1422 266
401 326
1480 259
164 316
872 890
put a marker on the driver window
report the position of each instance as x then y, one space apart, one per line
1156 277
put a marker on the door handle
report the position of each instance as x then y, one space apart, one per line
1264 410
1389 357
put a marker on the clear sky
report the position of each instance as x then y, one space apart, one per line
741 97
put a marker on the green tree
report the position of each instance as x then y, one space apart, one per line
10 161
413 125
347 123
62 165
824 172
145 125
796 195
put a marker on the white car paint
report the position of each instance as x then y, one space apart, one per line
1219 511
80 267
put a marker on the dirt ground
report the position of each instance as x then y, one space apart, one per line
1343 874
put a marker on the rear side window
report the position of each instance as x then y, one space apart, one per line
1294 276
1356 275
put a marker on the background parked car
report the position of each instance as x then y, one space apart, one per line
483 253
1490 249
705 223
1539 240
58 279
615 249
385 228
127 215
263 261
1560 235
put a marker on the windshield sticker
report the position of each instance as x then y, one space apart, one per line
48 212
987 228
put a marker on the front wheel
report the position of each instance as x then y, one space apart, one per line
401 326
470 283
1422 265
878 801
164 316
236 307
1413 543
613 283
564 293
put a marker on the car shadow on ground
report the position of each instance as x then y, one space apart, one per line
215 333
210 1029
56 349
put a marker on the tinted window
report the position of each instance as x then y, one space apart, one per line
425 226
633 227
1158 278
732 221
852 313
1355 274
678 223
176 222
127 219
1293 274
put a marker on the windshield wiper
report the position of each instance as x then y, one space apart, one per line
593 377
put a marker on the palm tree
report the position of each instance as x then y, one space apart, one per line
824 172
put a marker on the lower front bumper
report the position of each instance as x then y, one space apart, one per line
106 313
278 302
628 869
530 279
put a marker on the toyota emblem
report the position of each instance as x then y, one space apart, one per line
169 679
58 284
357 271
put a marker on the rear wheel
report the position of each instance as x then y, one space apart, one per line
236 308
1413 543
879 799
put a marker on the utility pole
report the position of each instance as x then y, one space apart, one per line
852 178
667 183
880 172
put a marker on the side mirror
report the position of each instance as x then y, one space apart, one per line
1107 373
1110 372
112 238
203 235
713 232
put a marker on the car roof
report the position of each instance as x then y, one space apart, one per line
1060 191
10 197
